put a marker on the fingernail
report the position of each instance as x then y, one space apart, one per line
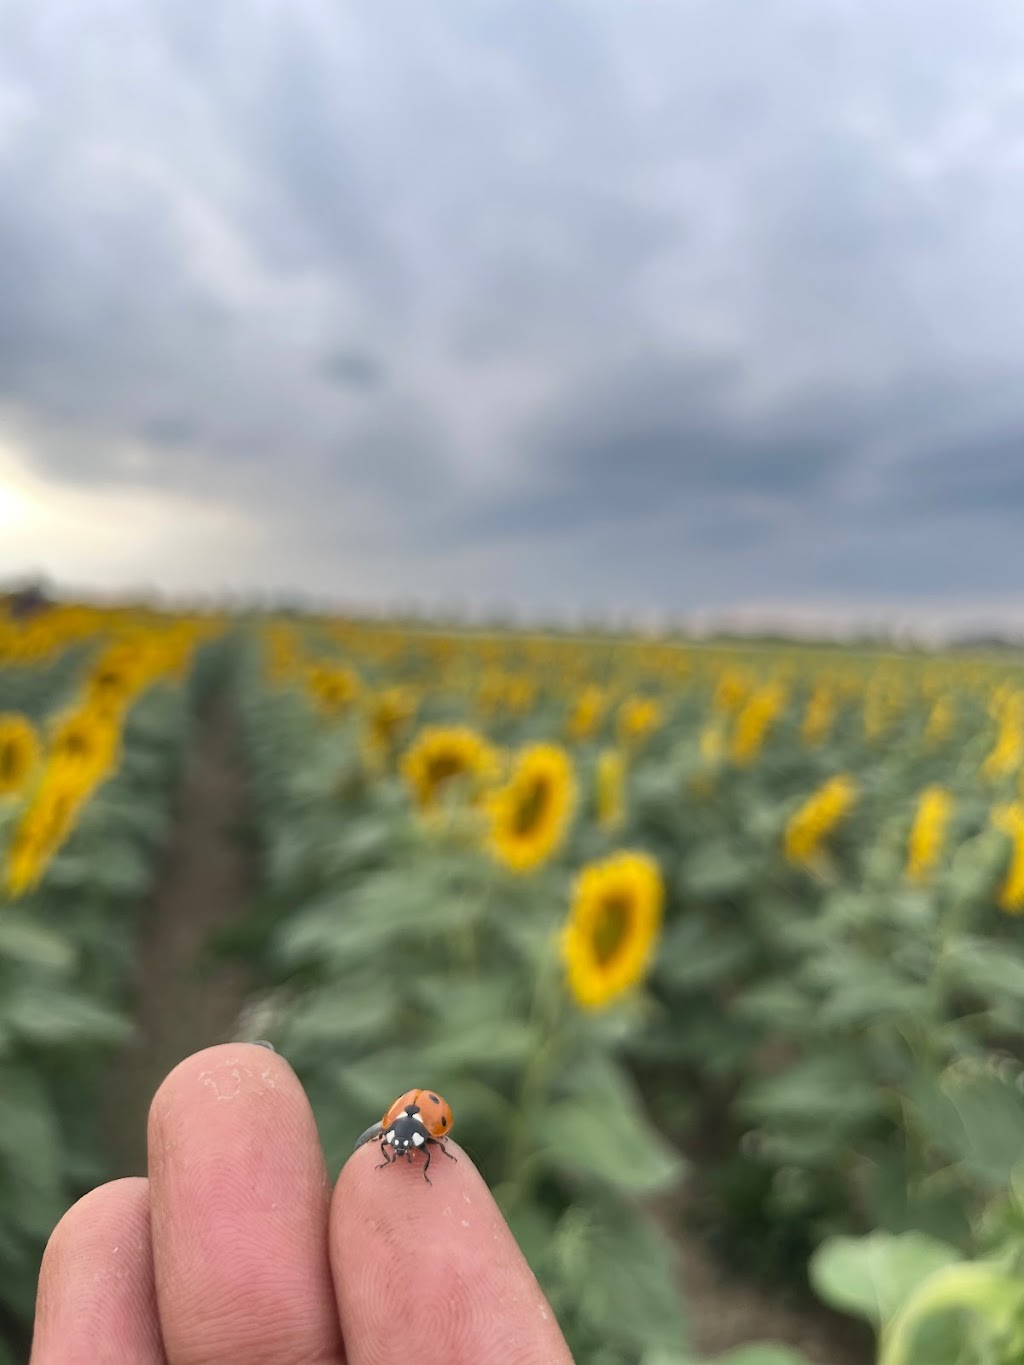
262 1042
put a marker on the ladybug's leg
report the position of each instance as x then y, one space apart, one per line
426 1153
385 1153
442 1143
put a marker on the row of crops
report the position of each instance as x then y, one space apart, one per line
729 934
94 716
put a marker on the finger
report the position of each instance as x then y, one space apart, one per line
96 1303
240 1202
432 1271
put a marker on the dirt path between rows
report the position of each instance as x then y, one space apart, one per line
726 1312
207 881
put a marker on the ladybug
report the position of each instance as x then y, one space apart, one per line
419 1119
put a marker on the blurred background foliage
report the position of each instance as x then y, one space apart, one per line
717 937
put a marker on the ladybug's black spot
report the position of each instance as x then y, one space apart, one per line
444 1122
433 1099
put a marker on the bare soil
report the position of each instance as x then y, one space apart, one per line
207 881
726 1312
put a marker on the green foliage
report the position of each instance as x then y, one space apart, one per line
403 955
873 1276
928 1305
66 959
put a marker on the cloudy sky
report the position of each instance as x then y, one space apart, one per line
643 305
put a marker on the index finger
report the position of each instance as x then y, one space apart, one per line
432 1271
239 1196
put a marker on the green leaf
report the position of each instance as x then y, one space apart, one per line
989 968
533 1228
327 1020
828 1088
776 1004
989 1291
874 1276
897 1201
31 1190
974 1118
492 1043
601 1132
118 868
698 951
22 940
49 1017
865 999
715 870
346 929
631 1293
764 1353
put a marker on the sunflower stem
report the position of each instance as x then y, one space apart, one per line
544 1017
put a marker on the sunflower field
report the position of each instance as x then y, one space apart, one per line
716 934
93 718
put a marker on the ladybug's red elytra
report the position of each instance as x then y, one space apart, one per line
418 1120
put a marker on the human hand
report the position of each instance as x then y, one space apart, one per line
234 1250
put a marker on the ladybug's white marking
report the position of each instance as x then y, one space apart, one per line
418 1139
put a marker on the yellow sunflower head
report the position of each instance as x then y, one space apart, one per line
612 930
333 689
530 814
19 753
611 788
443 755
638 718
587 713
45 824
387 714
85 740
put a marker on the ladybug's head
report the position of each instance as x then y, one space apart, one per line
406 1133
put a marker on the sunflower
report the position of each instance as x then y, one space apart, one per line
1010 819
498 691
941 719
731 690
639 717
332 689
611 788
814 821
387 714
928 833
19 753
530 814
116 677
86 741
612 929
755 719
45 824
441 755
820 715
587 713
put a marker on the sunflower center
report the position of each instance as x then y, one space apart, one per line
10 766
443 768
610 927
530 810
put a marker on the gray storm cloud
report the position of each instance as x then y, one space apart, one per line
665 305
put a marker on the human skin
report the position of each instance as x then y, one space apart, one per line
235 1249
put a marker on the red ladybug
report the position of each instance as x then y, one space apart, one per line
419 1119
